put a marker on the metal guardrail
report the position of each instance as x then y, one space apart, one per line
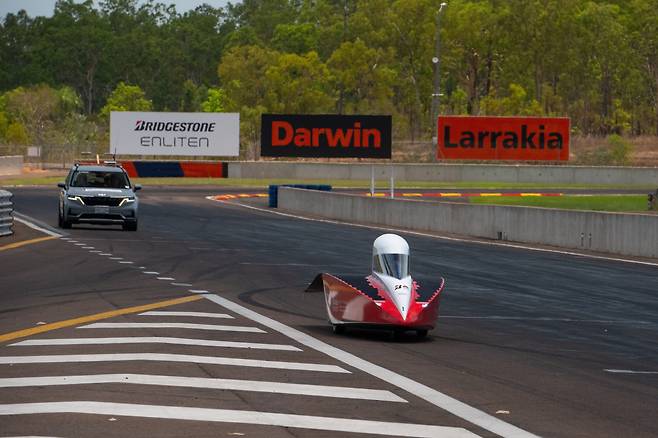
6 210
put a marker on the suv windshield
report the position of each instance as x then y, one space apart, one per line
109 180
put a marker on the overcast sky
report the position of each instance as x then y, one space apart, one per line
46 7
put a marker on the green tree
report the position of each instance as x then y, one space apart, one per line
215 101
364 82
295 38
241 73
298 85
16 134
516 102
126 98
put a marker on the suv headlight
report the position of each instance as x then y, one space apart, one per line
126 201
76 198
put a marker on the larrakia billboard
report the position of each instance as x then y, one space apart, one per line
503 138
186 134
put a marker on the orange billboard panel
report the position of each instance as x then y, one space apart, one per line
503 138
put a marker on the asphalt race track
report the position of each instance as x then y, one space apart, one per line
529 343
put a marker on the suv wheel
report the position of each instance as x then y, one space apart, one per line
130 226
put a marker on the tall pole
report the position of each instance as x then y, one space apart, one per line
437 77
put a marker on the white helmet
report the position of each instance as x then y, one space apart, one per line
390 256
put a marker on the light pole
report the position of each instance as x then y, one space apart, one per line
437 78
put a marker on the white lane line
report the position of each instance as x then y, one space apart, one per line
171 325
182 284
162 357
155 340
434 236
18 217
187 314
235 416
629 372
151 273
87 247
116 258
203 382
166 278
198 291
126 263
105 254
96 251
80 244
437 398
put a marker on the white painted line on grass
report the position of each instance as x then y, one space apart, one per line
161 357
237 416
171 325
166 278
198 291
437 398
182 284
186 314
629 372
434 236
209 383
154 340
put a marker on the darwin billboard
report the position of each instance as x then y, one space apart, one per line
328 136
503 138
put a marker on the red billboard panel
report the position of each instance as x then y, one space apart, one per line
503 138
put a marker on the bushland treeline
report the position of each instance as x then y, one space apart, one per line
594 61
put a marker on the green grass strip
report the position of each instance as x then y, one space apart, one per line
337 183
609 203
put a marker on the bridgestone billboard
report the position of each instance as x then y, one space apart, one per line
186 134
328 136
503 138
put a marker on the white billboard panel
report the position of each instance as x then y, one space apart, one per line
159 133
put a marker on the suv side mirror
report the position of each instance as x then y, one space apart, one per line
61 185
137 187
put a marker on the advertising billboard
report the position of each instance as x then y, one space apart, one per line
328 136
503 138
187 134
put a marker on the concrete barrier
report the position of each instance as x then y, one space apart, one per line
11 165
620 176
615 233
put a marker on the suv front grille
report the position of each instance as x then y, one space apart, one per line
101 200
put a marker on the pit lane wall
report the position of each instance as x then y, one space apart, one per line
631 176
615 233
11 165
